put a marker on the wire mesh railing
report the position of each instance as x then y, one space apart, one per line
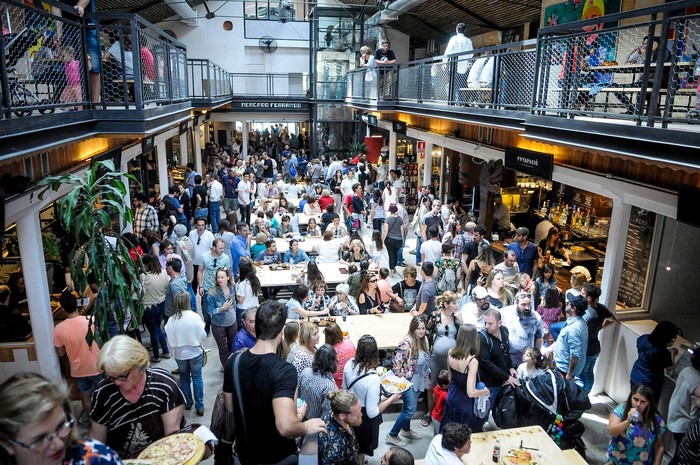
51 61
643 70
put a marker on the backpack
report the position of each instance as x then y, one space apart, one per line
292 171
448 281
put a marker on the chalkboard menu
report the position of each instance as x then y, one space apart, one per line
635 265
582 199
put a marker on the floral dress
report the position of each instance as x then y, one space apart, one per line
635 446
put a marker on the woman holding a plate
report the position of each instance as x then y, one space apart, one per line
411 361
360 378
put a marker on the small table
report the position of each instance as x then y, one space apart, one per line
388 329
531 436
273 278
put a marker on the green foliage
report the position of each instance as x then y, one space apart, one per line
50 243
358 148
90 212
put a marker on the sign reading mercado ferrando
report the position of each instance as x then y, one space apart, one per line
526 161
265 106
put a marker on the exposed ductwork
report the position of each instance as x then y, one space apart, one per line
392 11
184 11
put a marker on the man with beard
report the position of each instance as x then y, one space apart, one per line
338 445
524 326
473 312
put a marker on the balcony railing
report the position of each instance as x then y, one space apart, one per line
45 69
208 80
270 84
584 68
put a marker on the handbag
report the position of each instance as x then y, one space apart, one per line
204 356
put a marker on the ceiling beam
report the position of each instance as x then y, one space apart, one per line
461 8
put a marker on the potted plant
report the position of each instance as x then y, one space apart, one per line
358 148
87 214
50 243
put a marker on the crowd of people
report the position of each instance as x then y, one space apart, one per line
475 328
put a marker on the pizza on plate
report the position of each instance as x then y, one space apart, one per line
176 449
520 457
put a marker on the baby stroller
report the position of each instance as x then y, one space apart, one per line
549 401
16 46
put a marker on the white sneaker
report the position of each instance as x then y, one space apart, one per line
410 434
397 441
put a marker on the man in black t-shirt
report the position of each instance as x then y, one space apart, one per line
199 199
268 171
384 55
262 395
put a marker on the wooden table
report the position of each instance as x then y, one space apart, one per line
531 436
307 245
388 329
270 278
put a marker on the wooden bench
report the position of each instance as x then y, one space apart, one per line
574 458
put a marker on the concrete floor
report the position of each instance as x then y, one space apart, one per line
595 420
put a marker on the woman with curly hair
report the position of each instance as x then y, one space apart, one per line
410 362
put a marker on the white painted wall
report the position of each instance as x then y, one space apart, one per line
399 44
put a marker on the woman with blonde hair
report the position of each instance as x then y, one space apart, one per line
135 405
577 281
222 308
302 354
38 427
463 364
357 252
410 362
185 331
496 286
290 338
441 327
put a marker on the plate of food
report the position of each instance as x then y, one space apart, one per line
176 449
520 457
393 384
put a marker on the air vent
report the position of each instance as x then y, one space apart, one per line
28 169
45 168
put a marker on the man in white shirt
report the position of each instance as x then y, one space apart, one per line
449 447
245 190
382 173
431 250
201 240
348 182
473 312
509 266
332 168
216 193
459 43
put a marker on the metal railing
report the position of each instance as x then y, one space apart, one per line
208 80
270 84
634 71
374 83
51 63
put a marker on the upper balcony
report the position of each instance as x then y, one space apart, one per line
53 93
638 97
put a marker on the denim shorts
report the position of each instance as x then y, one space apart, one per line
92 50
88 383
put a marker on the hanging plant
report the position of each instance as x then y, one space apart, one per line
90 213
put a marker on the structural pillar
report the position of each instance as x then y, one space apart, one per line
31 252
197 143
244 140
162 158
392 150
124 168
428 166
183 149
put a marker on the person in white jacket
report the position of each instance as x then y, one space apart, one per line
185 331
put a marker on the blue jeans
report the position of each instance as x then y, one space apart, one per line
192 368
152 318
399 257
492 397
205 312
410 403
214 216
201 213
420 242
587 373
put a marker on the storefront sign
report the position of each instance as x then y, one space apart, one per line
270 106
421 149
529 162
147 144
399 127
371 120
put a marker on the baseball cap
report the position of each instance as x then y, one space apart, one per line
523 230
479 292
180 230
578 302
